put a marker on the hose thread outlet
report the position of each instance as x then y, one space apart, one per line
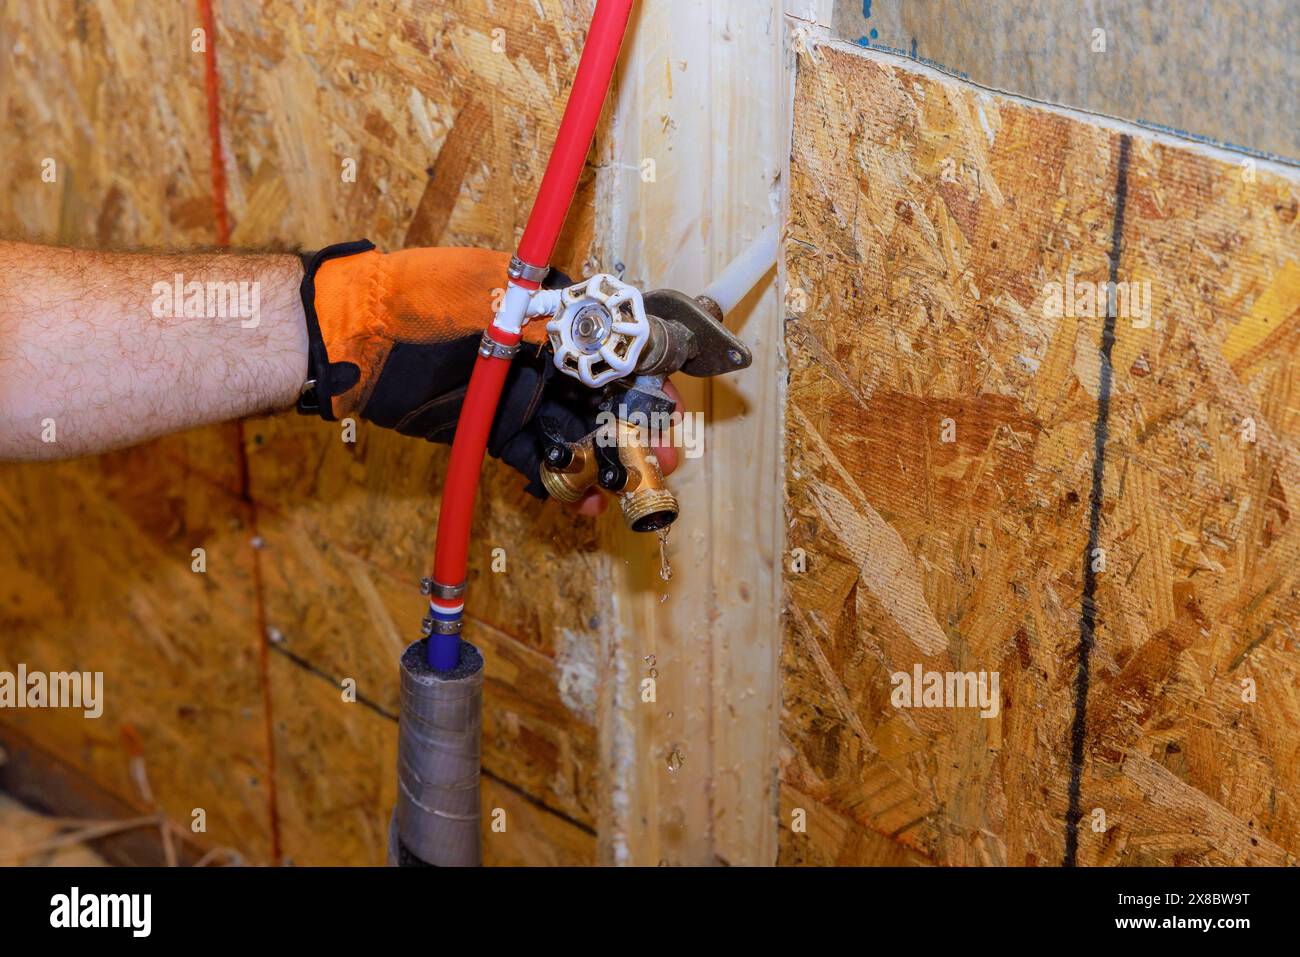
649 509
559 487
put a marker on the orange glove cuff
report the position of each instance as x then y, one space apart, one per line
369 301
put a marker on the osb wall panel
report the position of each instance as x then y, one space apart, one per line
95 575
95 555
927 221
115 97
448 136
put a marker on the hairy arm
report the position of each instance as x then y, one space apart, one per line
98 350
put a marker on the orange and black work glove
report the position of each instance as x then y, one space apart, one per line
392 337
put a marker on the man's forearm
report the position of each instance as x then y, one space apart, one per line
101 350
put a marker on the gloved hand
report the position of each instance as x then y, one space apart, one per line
392 338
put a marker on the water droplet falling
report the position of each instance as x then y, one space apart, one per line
675 760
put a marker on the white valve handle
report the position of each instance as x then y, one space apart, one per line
600 331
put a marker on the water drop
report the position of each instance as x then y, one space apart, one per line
665 567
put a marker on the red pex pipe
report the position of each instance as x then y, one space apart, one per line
577 128
467 450
554 196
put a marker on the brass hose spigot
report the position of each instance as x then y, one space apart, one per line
615 458
607 335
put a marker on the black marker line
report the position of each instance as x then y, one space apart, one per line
1088 611
307 666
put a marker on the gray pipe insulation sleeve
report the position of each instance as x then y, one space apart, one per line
436 821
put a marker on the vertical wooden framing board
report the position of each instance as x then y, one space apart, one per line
693 171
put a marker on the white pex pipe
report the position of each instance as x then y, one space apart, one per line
744 272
